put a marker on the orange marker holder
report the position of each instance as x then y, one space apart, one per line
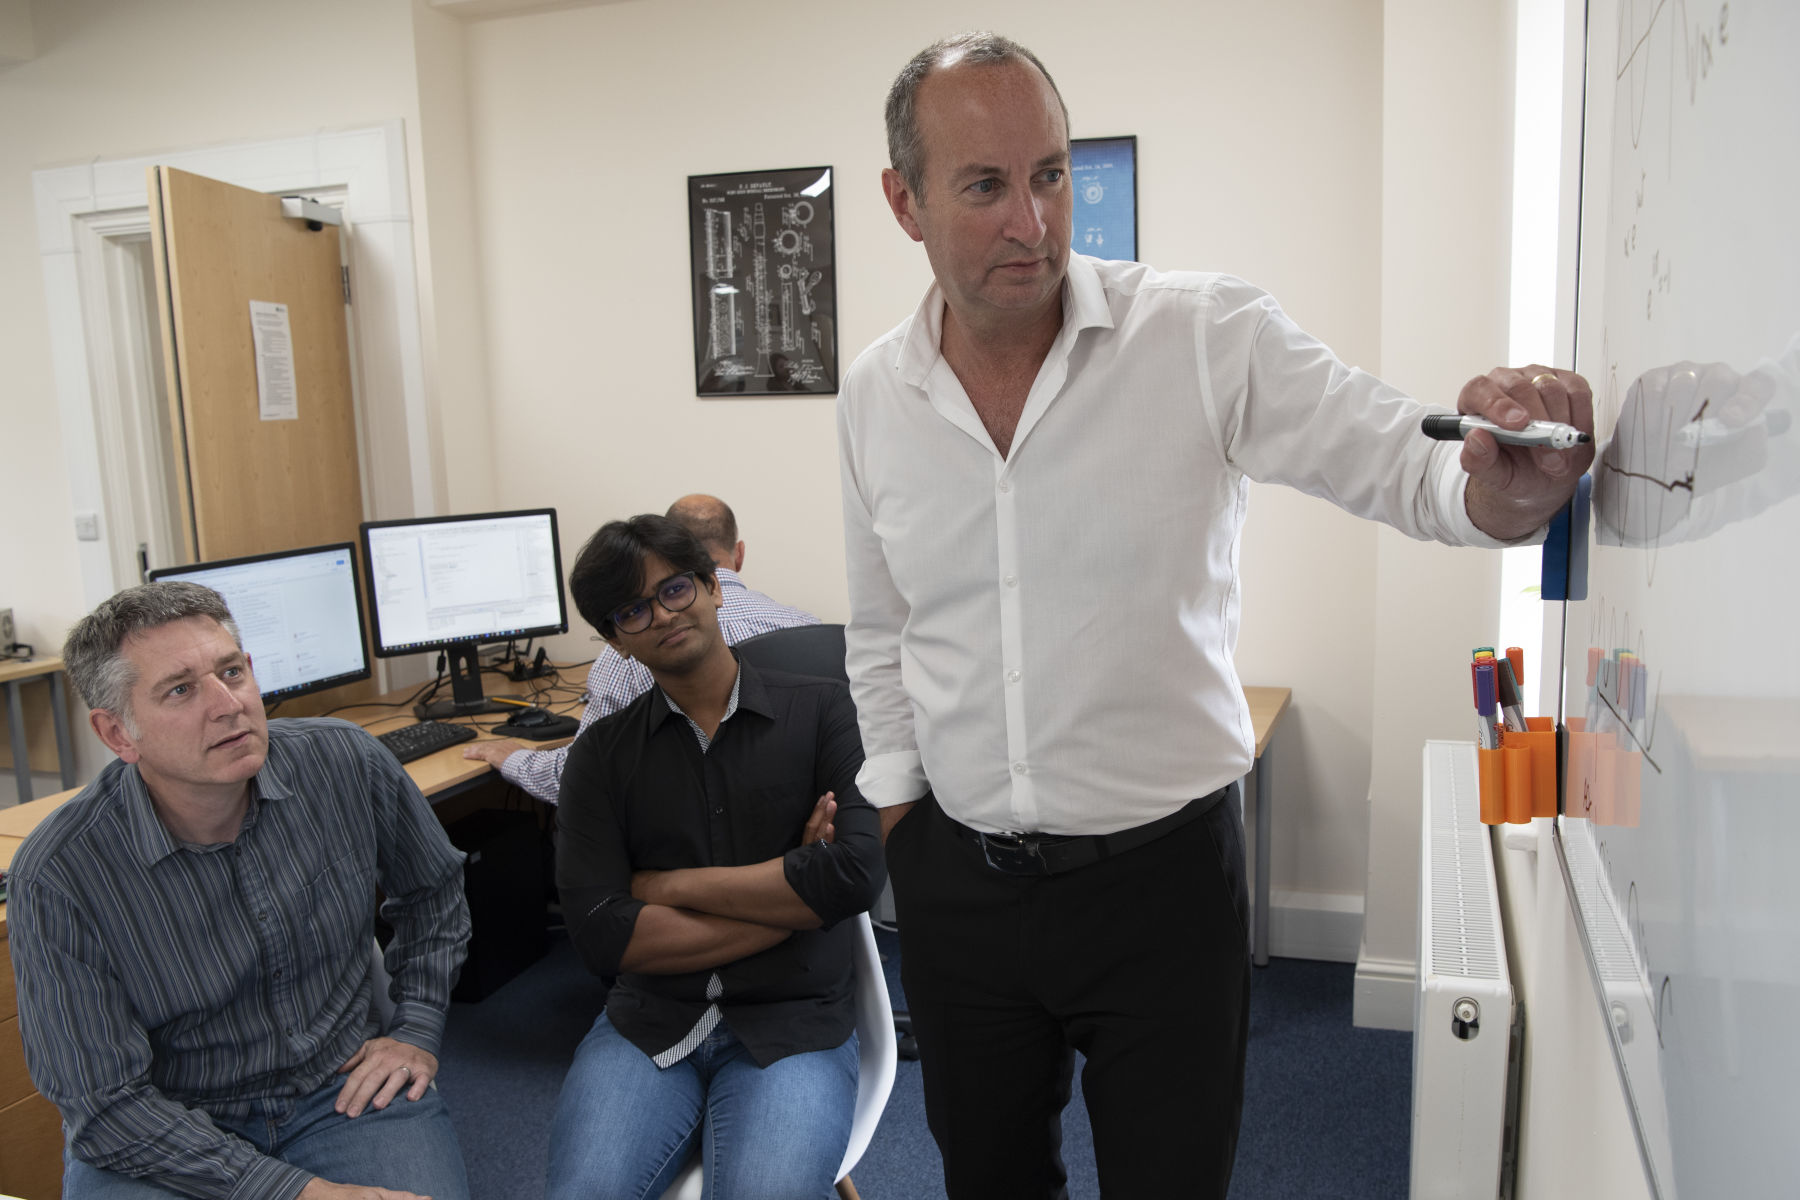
1605 778
1518 780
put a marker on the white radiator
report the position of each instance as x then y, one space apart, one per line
1463 1012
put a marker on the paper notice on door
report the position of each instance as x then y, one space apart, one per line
277 399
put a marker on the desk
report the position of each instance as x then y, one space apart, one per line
12 674
446 772
1266 706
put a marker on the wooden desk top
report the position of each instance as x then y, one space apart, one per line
30 668
1266 706
447 768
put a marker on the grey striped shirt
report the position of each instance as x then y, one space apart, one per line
154 975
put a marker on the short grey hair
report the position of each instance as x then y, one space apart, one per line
94 653
906 149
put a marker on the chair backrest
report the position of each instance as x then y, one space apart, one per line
802 650
876 1044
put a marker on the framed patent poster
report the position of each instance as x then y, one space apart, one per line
765 282
1105 179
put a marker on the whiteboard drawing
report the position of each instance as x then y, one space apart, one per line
1681 826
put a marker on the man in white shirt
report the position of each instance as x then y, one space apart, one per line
1045 472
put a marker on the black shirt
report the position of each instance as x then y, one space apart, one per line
638 794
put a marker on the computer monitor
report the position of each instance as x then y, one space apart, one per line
298 612
452 583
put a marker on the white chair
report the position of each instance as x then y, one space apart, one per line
875 1071
380 979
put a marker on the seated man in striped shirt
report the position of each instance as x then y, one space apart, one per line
711 848
615 680
192 935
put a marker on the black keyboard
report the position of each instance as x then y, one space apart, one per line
427 737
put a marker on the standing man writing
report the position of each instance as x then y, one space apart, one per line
1045 472
192 935
615 680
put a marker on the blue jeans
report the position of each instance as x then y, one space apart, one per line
625 1128
407 1146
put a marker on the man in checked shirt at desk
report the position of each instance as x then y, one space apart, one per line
615 680
192 935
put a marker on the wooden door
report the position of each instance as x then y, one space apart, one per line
249 483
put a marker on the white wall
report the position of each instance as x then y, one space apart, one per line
112 79
548 155
1443 306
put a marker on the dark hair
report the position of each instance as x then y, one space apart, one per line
609 571
708 518
92 653
906 151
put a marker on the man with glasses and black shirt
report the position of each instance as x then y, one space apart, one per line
615 680
711 844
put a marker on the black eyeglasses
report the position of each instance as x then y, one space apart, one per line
674 593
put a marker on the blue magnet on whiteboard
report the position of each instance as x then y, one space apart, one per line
1566 547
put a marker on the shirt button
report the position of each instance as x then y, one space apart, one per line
1006 485
1019 768
1011 581
719 811
278 972
262 916
1012 677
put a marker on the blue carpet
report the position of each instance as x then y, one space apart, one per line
1326 1108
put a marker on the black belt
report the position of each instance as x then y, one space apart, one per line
1054 853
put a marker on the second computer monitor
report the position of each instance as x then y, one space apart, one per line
453 583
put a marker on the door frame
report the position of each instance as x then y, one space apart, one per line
82 210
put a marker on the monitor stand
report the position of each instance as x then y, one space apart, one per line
466 698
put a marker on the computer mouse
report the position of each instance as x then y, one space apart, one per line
532 718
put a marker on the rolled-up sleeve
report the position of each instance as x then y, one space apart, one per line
98 1074
842 878
422 880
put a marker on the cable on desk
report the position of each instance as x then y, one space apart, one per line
406 703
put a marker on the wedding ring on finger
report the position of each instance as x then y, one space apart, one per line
1538 380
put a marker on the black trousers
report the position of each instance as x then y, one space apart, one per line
1139 961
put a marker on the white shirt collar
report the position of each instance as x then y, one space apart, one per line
1084 307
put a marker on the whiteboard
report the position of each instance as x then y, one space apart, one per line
1680 837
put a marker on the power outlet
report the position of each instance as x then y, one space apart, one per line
8 636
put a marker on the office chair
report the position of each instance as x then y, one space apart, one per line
802 650
382 1001
875 1068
